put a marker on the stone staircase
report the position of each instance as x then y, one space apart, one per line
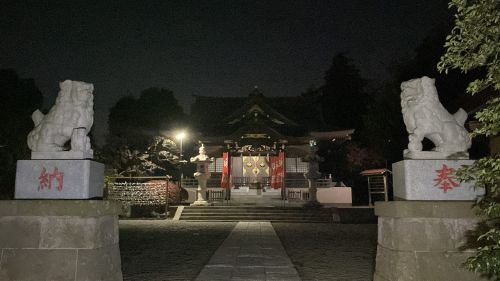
256 213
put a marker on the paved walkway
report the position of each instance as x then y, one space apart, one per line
252 251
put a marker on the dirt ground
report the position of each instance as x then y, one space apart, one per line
156 250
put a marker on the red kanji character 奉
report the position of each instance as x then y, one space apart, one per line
445 178
43 180
59 176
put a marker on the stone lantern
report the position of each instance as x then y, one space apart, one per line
312 174
202 175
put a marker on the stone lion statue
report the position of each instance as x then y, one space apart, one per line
425 116
70 118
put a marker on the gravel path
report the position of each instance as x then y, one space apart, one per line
154 250
330 251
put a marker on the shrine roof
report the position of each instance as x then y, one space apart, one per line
286 115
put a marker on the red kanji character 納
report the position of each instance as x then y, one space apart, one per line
59 176
43 179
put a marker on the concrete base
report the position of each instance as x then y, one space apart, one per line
246 191
59 240
268 198
422 240
59 179
431 180
334 195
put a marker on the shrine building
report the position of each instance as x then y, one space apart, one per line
259 142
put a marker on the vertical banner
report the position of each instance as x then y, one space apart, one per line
225 170
278 170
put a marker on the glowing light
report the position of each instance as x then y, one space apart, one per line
181 135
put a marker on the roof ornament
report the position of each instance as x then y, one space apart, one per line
256 92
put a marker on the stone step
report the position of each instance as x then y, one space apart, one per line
242 207
274 221
256 215
256 218
250 210
248 213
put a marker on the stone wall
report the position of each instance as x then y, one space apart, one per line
59 240
422 240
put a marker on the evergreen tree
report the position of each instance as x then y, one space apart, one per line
20 97
342 95
384 130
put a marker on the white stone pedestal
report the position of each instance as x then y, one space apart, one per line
313 200
431 180
59 179
201 191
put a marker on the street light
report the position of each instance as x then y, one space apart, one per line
180 137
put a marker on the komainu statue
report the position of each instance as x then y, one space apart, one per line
70 119
425 116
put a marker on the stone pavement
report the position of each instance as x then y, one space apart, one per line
160 250
252 251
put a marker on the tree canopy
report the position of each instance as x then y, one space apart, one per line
342 94
20 97
474 43
136 143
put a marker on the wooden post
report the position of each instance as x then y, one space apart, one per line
369 192
386 193
166 197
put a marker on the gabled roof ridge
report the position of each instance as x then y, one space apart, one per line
249 96
215 97
258 100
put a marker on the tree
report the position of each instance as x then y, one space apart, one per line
474 43
157 158
20 97
342 95
135 145
384 130
137 121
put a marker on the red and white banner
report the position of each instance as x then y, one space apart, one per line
225 170
278 170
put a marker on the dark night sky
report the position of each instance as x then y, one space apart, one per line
215 48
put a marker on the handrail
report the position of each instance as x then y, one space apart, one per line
265 182
140 177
